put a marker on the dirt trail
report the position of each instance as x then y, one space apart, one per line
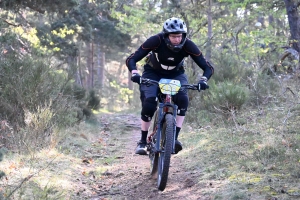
130 177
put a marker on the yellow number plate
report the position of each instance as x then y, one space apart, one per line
169 86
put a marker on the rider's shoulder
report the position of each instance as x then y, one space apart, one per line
189 43
191 48
153 42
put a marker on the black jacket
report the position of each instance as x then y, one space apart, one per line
165 60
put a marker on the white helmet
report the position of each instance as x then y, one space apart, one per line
176 26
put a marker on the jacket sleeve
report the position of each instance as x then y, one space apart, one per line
195 53
150 44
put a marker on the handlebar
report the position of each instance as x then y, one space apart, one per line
185 86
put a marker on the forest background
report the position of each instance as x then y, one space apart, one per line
63 63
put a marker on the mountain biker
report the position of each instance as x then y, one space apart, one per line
165 53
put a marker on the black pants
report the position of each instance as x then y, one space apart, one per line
148 94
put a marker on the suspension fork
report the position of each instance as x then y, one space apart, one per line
163 109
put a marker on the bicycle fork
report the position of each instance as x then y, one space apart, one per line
163 109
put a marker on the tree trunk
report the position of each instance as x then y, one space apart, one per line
130 84
164 4
100 68
209 29
72 71
79 77
92 66
89 66
294 23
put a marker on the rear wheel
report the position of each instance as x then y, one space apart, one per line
166 151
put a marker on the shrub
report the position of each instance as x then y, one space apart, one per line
1 175
226 97
229 68
79 92
263 88
32 100
93 101
1 157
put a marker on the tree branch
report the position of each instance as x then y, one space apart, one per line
9 23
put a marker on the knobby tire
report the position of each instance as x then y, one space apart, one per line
154 156
165 156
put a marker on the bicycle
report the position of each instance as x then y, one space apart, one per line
161 141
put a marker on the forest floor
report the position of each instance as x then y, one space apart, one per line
96 160
128 176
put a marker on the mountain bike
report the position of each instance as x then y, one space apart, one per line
161 140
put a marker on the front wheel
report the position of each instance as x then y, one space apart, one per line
166 146
153 155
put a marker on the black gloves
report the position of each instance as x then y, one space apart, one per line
136 78
202 85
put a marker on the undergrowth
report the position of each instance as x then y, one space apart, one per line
256 156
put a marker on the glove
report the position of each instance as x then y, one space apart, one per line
202 85
136 78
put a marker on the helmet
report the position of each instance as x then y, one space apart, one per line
176 26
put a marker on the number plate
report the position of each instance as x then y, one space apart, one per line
169 86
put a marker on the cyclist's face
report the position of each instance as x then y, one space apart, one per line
175 39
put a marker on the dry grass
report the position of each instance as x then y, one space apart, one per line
51 173
70 170
257 159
